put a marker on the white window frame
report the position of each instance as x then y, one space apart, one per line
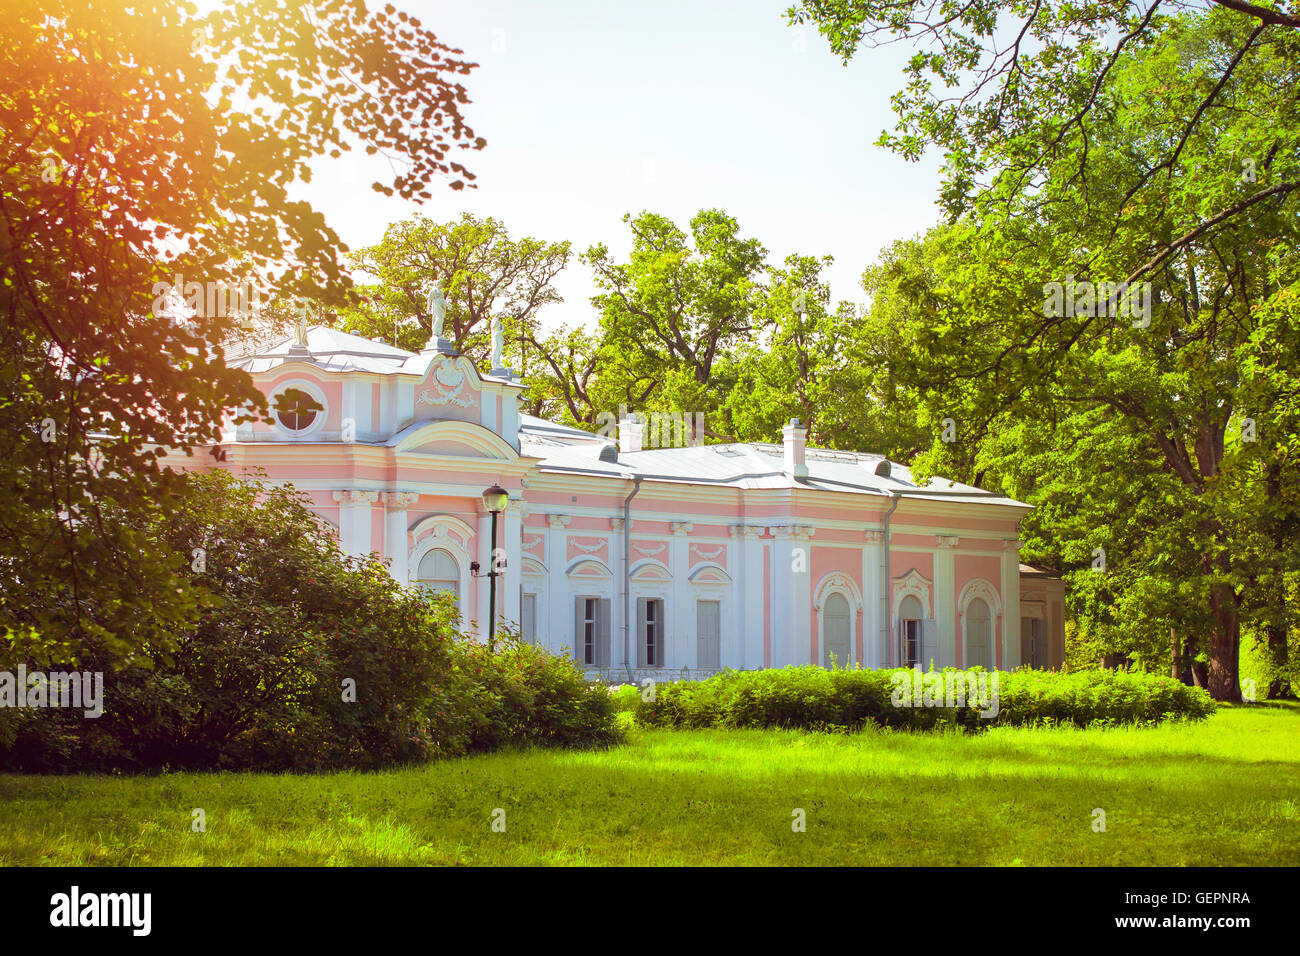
312 430
983 589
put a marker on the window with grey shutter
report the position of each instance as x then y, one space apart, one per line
586 630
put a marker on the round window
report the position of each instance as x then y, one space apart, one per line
295 409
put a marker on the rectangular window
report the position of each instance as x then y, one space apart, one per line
651 643
653 648
590 633
911 643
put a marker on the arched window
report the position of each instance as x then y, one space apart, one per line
439 573
836 629
979 635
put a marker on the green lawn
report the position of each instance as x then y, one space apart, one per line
1224 792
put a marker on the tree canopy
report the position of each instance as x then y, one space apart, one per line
145 147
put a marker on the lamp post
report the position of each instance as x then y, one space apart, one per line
494 500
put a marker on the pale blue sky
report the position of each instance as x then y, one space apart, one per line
593 109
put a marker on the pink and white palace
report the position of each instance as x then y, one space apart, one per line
643 560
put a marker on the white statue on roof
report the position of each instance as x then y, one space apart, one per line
437 305
300 327
498 342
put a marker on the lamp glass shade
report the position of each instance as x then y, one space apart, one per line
495 498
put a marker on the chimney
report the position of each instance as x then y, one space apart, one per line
794 436
630 430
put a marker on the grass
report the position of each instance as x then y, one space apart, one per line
1222 792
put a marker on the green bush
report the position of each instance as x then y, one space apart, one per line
302 658
813 697
525 696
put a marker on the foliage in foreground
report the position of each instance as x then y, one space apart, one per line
816 698
302 659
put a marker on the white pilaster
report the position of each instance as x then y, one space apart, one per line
753 598
801 585
396 545
683 648
559 635
1011 604
945 600
873 585
619 558
354 520
791 596
736 625
512 541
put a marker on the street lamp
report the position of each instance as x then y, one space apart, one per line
494 501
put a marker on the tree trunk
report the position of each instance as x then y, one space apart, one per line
1278 686
1225 645
1187 670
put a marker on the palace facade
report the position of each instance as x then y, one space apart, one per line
640 560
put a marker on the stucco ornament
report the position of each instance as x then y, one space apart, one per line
451 380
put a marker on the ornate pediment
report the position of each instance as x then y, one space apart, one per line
451 388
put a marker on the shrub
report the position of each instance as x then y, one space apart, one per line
810 697
302 658
527 696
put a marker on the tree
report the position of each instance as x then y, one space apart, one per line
668 313
985 347
146 146
484 274
1017 82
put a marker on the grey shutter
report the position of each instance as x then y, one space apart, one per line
661 632
640 632
579 630
708 626
602 632
528 617
1027 636
900 650
929 643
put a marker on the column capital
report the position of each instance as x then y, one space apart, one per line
799 532
351 496
946 541
681 528
1011 544
398 500
616 524
875 537
557 522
